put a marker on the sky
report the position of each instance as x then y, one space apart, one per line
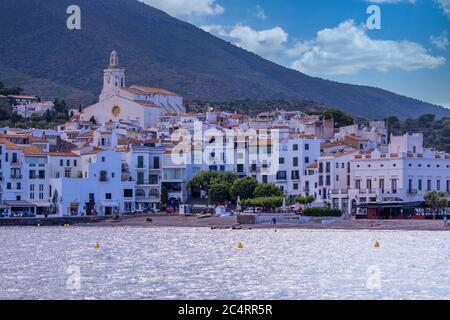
406 50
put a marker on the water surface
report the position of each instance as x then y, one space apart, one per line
189 263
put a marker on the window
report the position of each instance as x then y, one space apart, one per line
328 167
295 186
68 163
281 175
128 193
438 185
369 184
428 185
321 167
420 184
103 159
140 193
328 180
295 147
281 160
61 163
156 163
8 186
337 178
140 162
306 146
75 163
394 185
264 179
32 174
67 173
295 161
103 176
381 185
240 168
108 196
41 174
358 184
306 159
295 175
140 178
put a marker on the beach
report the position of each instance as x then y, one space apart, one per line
152 221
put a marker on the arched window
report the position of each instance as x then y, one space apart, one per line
140 193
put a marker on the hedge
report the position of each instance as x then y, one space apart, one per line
322 212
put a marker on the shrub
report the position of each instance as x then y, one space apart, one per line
322 212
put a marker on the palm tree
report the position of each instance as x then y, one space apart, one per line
436 200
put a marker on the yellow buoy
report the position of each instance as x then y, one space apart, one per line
377 244
97 245
240 245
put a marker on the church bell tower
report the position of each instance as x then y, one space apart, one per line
113 77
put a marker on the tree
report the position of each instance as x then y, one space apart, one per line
267 203
244 188
267 190
436 200
205 179
15 117
164 197
304 200
219 193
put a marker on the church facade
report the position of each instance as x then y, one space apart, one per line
136 103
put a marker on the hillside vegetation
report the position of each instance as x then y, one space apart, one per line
39 53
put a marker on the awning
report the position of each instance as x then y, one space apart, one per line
110 204
19 203
42 204
404 205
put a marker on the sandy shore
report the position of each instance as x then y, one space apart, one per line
230 222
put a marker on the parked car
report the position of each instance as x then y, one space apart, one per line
169 210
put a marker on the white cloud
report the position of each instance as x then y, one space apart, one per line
268 43
445 6
440 41
187 7
259 13
347 49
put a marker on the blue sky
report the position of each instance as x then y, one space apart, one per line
409 55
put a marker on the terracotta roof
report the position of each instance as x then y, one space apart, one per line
150 90
353 137
62 154
314 165
147 104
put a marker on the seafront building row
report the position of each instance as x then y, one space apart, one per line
118 156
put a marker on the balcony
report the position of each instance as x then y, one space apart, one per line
16 163
147 182
103 179
412 191
339 191
16 176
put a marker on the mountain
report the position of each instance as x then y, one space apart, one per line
38 52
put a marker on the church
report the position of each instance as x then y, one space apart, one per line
136 103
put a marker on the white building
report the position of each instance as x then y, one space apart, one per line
403 174
33 108
118 102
